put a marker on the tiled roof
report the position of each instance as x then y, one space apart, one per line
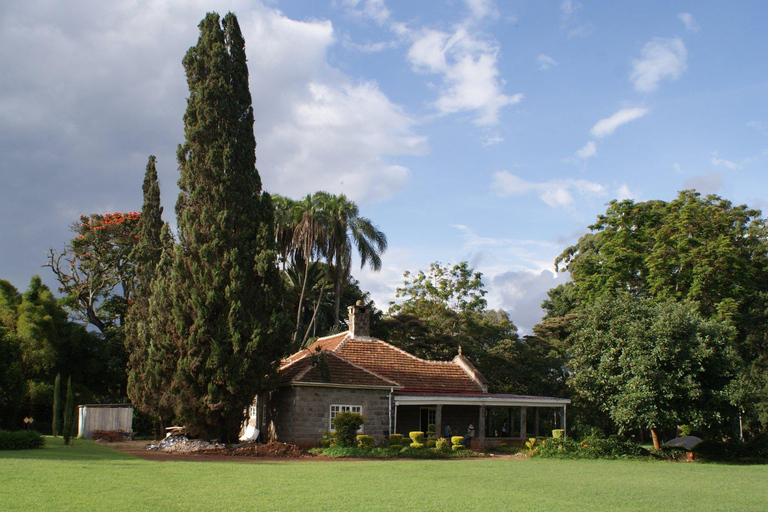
340 371
384 361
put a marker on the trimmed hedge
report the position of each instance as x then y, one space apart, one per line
457 442
21 440
396 439
392 452
365 442
347 424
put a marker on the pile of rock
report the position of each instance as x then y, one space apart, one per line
183 444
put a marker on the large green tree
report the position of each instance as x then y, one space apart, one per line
699 249
444 308
653 365
225 280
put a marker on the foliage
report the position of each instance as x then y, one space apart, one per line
95 270
685 430
69 413
365 442
322 226
670 453
148 372
734 450
391 452
416 437
444 309
57 406
699 249
21 440
220 302
346 425
652 365
431 443
558 433
442 444
587 448
12 385
38 342
396 439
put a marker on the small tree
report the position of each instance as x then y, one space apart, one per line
347 424
56 405
69 412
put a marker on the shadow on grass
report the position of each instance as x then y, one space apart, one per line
78 450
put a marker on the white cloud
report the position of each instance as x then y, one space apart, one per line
468 66
623 192
545 62
375 10
521 294
660 59
607 126
588 151
705 183
688 21
492 139
572 21
717 162
678 169
555 193
482 9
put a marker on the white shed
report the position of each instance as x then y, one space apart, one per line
103 417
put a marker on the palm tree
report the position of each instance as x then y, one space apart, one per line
346 228
306 221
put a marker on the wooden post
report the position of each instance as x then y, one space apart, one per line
511 421
523 423
536 422
481 426
439 421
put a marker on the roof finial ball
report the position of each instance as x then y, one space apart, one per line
459 349
359 302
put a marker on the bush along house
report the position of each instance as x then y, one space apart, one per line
395 391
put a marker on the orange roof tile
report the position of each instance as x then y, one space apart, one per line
383 361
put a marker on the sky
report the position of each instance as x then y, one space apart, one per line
465 130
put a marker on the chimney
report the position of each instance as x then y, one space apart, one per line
359 320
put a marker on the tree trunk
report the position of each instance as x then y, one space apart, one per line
655 436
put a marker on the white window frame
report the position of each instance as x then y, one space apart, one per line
337 408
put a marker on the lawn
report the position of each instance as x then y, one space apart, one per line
93 477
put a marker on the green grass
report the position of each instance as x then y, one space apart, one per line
93 477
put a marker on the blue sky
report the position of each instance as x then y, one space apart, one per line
466 130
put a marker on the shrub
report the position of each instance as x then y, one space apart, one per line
431 443
347 424
673 453
365 442
755 449
441 444
558 433
457 440
587 448
431 430
417 438
395 439
329 439
20 440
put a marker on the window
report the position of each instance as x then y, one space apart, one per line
335 409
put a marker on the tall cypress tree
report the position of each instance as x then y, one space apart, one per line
142 388
56 405
226 283
69 413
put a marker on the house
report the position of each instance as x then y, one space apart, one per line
395 391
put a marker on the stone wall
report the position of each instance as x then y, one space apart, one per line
300 415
